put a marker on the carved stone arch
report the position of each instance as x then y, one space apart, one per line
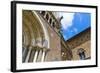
36 29
43 27
26 36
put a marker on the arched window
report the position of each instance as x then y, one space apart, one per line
53 24
50 21
43 13
47 17
81 53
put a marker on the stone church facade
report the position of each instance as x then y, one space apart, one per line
43 42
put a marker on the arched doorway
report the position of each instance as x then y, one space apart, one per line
35 38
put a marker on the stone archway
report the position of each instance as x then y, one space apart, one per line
35 38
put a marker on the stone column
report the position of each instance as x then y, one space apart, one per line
43 55
24 54
49 18
32 55
39 56
28 55
45 14
35 56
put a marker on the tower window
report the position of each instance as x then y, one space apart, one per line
47 17
53 24
43 13
81 53
50 21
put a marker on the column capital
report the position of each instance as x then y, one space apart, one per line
45 49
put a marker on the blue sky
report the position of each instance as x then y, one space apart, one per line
74 23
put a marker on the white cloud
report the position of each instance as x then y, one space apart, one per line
67 20
75 29
79 15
